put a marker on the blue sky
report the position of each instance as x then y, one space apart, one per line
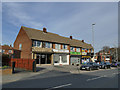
65 19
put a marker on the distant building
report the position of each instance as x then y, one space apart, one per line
110 56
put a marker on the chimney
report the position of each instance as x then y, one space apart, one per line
71 37
83 41
44 30
10 45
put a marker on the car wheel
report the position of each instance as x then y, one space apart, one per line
105 67
110 67
98 68
80 68
89 69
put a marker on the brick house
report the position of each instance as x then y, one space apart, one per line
50 48
9 51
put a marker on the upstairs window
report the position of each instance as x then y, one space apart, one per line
37 43
20 46
72 49
77 49
64 46
48 45
57 46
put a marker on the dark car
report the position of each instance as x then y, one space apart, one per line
89 66
104 65
115 64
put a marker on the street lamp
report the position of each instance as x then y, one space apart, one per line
93 34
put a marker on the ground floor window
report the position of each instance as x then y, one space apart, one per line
75 60
60 58
43 58
85 60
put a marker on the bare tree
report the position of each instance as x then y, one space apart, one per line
106 48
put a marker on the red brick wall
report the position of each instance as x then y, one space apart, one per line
23 63
23 39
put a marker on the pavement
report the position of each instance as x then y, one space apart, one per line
62 76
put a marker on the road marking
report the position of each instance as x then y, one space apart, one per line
96 78
59 86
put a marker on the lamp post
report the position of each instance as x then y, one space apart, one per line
93 38
93 34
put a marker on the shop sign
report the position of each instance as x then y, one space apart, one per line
61 50
75 53
84 53
85 56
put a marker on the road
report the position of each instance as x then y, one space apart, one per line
54 79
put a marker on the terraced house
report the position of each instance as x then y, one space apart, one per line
50 48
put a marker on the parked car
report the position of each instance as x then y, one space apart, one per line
89 66
104 65
115 64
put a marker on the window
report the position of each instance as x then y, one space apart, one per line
72 49
3 51
34 43
64 46
10 51
77 49
20 46
64 59
48 45
57 46
37 44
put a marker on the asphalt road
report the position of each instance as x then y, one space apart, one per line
95 79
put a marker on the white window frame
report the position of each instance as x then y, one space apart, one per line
20 46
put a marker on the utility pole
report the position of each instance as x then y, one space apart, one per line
93 34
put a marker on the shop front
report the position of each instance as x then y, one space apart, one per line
75 58
85 59
60 57
42 55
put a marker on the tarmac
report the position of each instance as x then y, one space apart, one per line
41 70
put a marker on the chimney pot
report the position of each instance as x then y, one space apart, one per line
82 40
44 30
70 37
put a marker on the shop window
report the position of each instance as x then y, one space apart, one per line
64 46
64 59
20 46
56 58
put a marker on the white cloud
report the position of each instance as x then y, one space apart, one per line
18 16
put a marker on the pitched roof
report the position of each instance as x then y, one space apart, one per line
6 47
51 37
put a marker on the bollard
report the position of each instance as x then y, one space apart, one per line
34 66
13 67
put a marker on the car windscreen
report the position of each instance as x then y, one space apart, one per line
89 63
107 63
102 63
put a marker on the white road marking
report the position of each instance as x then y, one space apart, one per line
59 86
94 78
100 77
